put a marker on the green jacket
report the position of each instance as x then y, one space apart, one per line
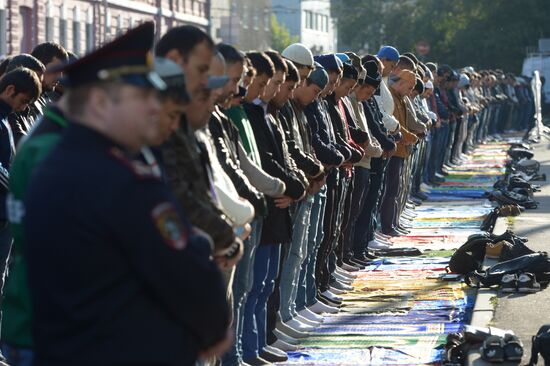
16 306
238 116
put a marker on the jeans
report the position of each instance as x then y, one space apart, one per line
242 284
307 290
266 267
292 264
17 356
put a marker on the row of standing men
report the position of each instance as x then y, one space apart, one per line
158 208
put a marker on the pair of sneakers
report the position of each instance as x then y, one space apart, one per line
524 282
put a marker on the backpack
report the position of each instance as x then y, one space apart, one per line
513 248
536 263
541 344
490 220
469 257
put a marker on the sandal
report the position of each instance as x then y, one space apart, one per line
455 349
493 349
513 349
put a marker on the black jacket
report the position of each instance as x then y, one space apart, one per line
340 129
305 159
269 138
226 140
323 140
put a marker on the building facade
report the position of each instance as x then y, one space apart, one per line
81 25
245 24
311 21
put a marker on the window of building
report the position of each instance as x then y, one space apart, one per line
256 20
90 38
25 17
245 16
76 30
308 19
107 26
49 22
119 25
3 30
63 25
267 21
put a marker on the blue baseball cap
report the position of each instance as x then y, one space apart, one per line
389 53
343 57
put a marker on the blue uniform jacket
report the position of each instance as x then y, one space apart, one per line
116 273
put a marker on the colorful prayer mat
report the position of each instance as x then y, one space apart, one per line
400 312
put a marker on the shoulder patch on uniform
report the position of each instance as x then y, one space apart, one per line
169 225
139 168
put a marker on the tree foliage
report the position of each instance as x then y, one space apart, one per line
280 36
481 33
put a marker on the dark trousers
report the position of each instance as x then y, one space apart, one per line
450 142
357 202
342 209
365 219
274 300
389 205
322 273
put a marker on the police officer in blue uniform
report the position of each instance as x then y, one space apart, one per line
116 273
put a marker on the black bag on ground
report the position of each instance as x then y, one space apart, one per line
469 257
513 248
536 263
541 344
490 220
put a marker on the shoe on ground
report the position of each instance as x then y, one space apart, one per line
353 263
340 286
258 361
383 240
350 268
308 314
381 234
336 291
509 283
289 331
320 308
298 325
311 323
331 296
527 283
345 273
327 301
341 278
274 350
375 244
360 262
272 357
283 346
285 337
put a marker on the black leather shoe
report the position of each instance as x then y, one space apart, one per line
421 196
353 263
360 262
392 232
258 361
271 357
401 230
329 302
